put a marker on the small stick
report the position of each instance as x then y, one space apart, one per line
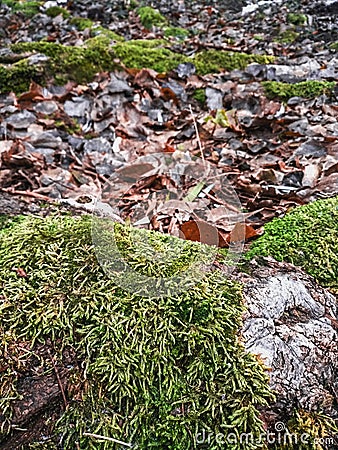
197 134
59 379
27 194
98 436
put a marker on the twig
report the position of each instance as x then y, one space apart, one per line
59 379
197 134
105 438
27 194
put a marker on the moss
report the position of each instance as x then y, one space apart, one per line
296 19
306 89
179 33
81 23
156 371
27 7
17 77
151 17
54 11
334 46
306 237
75 63
199 95
98 30
140 54
287 37
82 63
212 61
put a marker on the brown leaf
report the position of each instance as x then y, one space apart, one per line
200 231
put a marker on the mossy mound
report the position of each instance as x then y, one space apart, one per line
150 17
306 89
155 371
306 237
99 54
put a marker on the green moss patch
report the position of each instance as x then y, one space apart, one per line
200 96
176 32
155 371
287 36
99 54
27 7
296 19
55 11
81 23
306 89
306 237
151 17
212 61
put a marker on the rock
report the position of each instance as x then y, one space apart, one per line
77 107
47 107
291 323
21 120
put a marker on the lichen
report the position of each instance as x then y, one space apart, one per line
155 371
150 17
55 11
306 89
306 237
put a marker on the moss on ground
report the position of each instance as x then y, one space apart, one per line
99 54
81 23
296 19
287 36
306 237
55 11
176 32
306 89
156 371
200 96
150 17
212 61
27 7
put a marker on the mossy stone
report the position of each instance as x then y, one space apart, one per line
55 11
156 371
306 237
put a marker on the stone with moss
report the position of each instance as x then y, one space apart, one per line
17 77
81 23
305 89
150 17
306 237
149 371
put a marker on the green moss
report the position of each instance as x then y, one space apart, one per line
179 33
306 89
334 46
199 95
27 7
296 19
287 37
72 63
54 11
155 371
81 23
101 31
149 54
17 77
306 237
151 17
212 61
82 63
